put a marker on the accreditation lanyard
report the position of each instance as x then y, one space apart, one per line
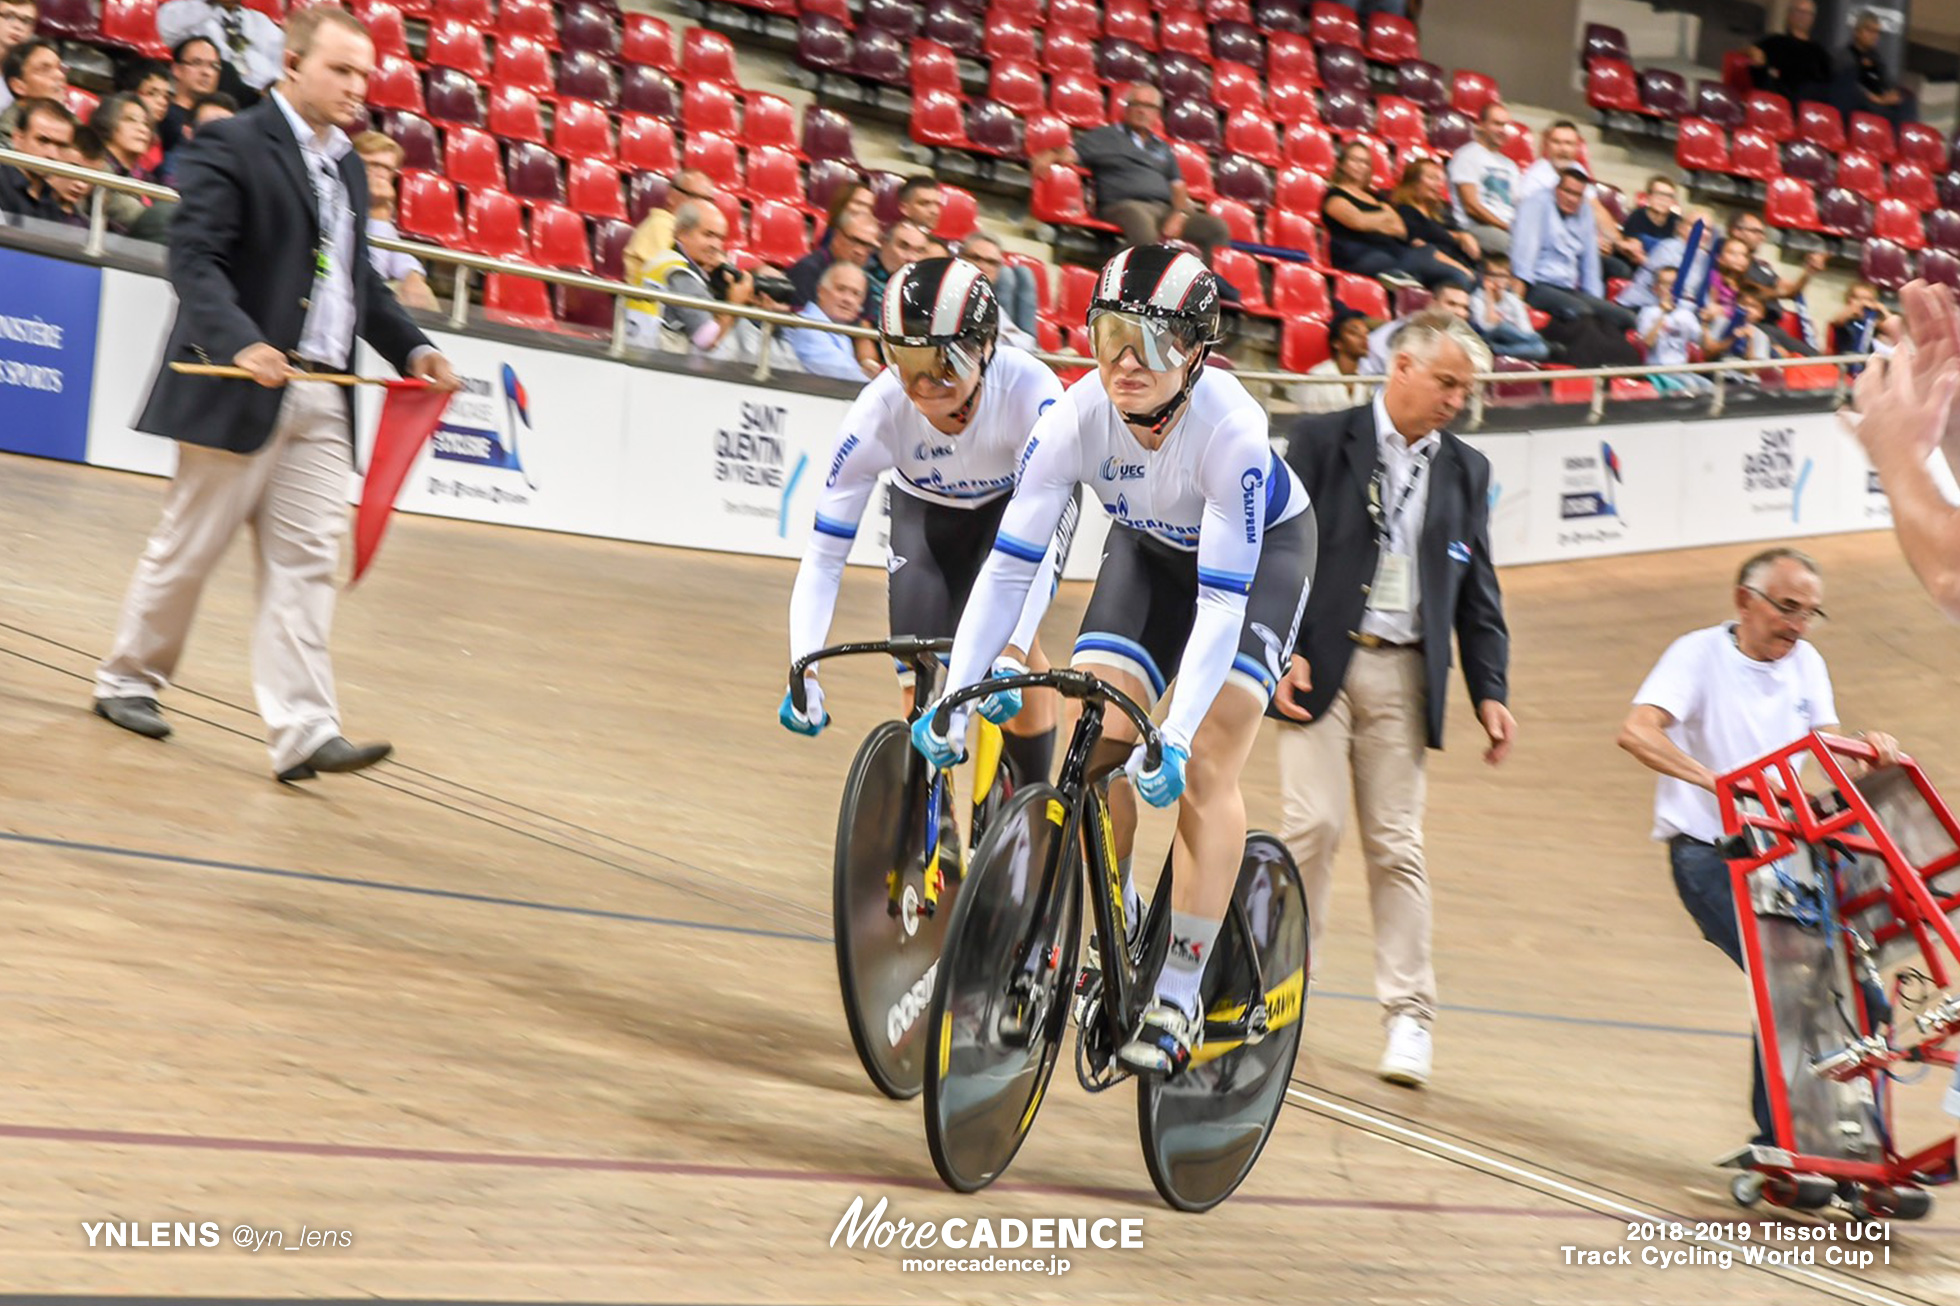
327 205
1393 590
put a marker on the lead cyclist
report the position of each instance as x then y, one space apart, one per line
947 418
1205 575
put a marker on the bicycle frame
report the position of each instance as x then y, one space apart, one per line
923 657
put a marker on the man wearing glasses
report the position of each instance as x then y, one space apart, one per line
1139 186
654 237
1720 697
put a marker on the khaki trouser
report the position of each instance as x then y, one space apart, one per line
293 492
1142 221
1369 746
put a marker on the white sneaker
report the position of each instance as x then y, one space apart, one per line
1409 1053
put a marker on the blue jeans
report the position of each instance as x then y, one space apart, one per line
1420 262
1512 342
1702 879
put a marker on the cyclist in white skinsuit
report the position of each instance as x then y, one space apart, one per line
1210 552
948 420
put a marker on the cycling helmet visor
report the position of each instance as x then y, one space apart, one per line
1159 344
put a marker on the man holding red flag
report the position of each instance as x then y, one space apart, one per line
268 255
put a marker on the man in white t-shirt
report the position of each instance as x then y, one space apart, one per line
1721 697
1484 183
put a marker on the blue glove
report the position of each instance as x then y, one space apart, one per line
944 753
813 718
1001 707
1162 785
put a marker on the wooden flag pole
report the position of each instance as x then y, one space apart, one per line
240 374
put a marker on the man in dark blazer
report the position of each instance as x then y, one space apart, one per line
1403 511
268 255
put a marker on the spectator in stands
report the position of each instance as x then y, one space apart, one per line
17 20
1453 300
1501 316
1749 229
855 198
75 196
1657 219
1013 285
697 266
250 44
215 107
1139 186
150 83
1347 346
46 131
1790 63
853 239
382 157
1555 252
194 66
1866 84
904 243
921 200
127 131
1562 147
938 248
1741 333
1854 329
1367 236
32 70
1664 262
1484 183
1422 197
1669 333
655 234
839 298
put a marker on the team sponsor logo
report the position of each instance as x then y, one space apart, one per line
482 426
844 452
1251 483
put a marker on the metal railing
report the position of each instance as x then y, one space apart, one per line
771 322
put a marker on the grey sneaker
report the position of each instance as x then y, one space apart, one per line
136 714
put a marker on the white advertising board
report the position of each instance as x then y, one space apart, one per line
1601 491
136 315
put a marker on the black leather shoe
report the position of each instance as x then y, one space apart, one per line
137 714
336 755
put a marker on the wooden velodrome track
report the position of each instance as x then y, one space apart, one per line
547 1009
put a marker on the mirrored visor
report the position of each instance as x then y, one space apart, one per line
943 365
1160 346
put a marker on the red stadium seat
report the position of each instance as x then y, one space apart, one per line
714 155
1791 205
1701 147
646 144
1845 213
385 28
1183 33
1286 230
1077 99
938 119
1612 87
959 215
1078 289
1046 132
1018 86
1392 40
457 45
709 107
1063 51
1195 165
1332 24
1470 92
1057 198
1886 264
396 85
1942 268
522 61
454 97
827 135
496 225
1861 175
649 41
708 57
1362 295
1006 39
588 27
649 91
1913 184
1943 230
1292 56
1300 291
1237 267
775 174
995 129
1253 135
1294 101
1193 122
1664 94
132 24
592 187
1237 217
769 120
584 75
559 239
582 130
1044 294
1769 113
1755 155
472 160
512 300
1308 146
536 19
1343 69
428 209
1400 123
1238 86
1303 343
421 146
1450 131
534 173
1719 105
1518 147
779 233
824 44
477 13
935 68
515 115
1896 220
1301 190
1820 125
1922 145
1870 134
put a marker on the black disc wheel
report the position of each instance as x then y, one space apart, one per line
1003 991
1202 1130
885 957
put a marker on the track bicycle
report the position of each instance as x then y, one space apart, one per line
897 868
1007 980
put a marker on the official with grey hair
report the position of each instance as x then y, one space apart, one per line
1404 526
1720 697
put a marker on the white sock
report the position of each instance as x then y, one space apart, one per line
1192 938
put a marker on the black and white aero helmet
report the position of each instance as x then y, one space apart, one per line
1163 304
940 302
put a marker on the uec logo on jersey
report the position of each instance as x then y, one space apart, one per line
1112 470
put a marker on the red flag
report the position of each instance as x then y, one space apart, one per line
409 416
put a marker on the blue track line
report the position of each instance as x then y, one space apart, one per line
637 918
